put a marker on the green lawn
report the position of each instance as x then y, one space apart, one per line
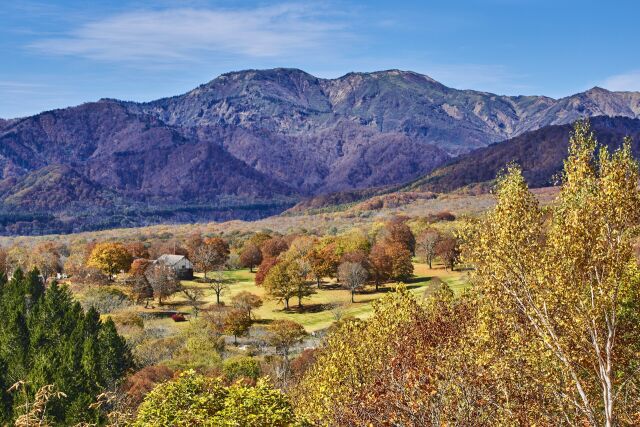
319 310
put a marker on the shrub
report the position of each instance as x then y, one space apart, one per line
154 351
128 319
199 351
105 299
193 399
241 367
178 317
445 216
138 385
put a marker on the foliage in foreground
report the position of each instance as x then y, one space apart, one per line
549 334
193 399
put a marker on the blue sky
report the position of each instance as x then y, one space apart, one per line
60 53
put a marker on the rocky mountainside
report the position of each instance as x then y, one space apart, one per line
540 153
250 143
364 129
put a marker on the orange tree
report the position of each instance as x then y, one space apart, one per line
211 254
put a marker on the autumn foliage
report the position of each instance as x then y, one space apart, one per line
547 336
110 258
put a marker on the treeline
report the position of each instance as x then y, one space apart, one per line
121 214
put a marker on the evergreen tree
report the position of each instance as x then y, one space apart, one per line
3 282
91 348
46 338
34 286
115 357
5 399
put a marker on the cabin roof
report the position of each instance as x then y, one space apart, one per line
170 260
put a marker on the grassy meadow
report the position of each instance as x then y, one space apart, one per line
319 311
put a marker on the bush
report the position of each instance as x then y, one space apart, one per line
178 317
189 400
193 399
445 216
128 319
138 385
200 350
155 351
105 299
241 367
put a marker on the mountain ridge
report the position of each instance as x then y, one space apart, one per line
263 138
539 153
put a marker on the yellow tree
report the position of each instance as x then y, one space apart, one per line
288 279
568 285
110 258
350 359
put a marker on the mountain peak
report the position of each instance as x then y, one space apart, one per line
264 73
394 72
597 89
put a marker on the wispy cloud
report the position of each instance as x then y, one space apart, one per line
488 77
623 82
17 87
186 34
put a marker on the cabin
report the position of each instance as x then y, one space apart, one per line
179 263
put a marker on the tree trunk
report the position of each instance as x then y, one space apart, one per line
286 304
217 298
300 300
430 263
353 293
318 281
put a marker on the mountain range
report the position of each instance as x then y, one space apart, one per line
252 143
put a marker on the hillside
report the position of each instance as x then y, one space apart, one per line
117 168
252 143
540 153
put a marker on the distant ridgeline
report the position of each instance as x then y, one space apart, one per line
540 153
253 143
